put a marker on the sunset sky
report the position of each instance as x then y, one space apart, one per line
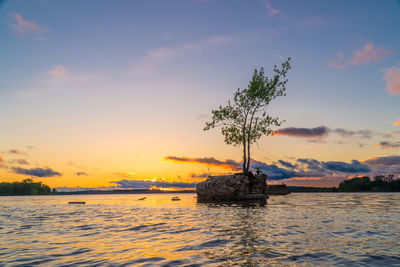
116 93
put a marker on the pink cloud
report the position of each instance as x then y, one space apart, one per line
367 54
335 64
269 10
23 26
58 71
392 79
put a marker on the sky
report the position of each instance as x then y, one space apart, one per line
115 94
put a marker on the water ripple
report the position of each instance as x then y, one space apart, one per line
116 230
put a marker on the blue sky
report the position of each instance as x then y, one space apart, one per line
117 86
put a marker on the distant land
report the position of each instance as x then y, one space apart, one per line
380 183
125 191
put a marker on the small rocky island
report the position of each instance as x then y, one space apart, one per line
233 188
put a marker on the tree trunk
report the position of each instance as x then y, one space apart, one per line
244 155
248 154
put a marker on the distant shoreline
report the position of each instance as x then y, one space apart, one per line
130 191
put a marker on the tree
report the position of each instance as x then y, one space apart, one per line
244 120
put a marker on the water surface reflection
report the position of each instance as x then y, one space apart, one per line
298 229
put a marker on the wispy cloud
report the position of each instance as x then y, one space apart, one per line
199 175
392 134
1 160
125 174
269 10
59 77
81 174
349 133
202 116
386 161
146 184
156 57
321 132
367 54
392 79
228 164
397 122
15 151
19 161
58 72
22 26
37 172
337 63
61 74
388 144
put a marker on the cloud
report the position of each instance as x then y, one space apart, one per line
387 161
269 10
16 152
228 164
202 116
199 175
274 172
59 77
146 184
286 164
309 168
392 134
383 165
37 172
302 167
367 54
58 72
335 64
392 79
353 167
320 132
338 64
348 133
1 160
23 27
19 161
397 122
81 174
156 57
388 144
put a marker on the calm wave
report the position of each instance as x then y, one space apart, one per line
298 229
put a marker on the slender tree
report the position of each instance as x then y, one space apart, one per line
244 119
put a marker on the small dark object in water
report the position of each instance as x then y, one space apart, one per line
175 199
143 198
77 202
280 189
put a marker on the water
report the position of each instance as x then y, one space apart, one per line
115 230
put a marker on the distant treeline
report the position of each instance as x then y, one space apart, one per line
380 183
26 187
304 189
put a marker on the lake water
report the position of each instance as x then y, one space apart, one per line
114 230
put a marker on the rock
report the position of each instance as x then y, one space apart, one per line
231 188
